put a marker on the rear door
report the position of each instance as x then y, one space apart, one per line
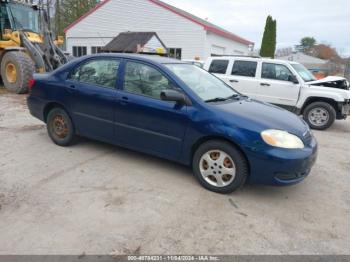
242 77
92 88
275 85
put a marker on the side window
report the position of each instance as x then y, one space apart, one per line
218 66
276 72
4 21
175 53
145 80
101 72
244 68
96 49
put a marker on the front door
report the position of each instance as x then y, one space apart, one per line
276 85
93 95
145 122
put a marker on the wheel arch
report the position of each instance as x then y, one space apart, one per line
330 101
51 105
314 99
205 139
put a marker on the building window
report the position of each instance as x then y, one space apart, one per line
218 66
175 53
96 49
244 68
79 51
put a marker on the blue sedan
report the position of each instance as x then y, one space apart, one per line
175 111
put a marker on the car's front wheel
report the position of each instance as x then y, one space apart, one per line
320 115
60 127
220 167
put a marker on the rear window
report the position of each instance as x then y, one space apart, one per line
218 66
244 68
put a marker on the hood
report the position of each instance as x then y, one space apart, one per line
258 116
332 81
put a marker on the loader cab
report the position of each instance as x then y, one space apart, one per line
18 16
4 20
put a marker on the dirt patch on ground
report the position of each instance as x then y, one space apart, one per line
23 128
14 98
3 90
14 195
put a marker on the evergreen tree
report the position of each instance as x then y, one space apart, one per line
268 45
307 43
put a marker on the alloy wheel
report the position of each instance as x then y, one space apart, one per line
217 168
318 116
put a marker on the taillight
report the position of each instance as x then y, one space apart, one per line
31 83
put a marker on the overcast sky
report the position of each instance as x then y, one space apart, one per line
326 20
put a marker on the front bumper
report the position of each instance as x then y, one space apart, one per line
282 167
345 108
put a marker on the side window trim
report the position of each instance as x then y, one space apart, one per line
244 61
274 79
82 63
227 61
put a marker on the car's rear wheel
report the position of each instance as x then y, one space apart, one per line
60 127
220 167
320 115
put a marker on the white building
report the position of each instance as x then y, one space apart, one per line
186 36
304 59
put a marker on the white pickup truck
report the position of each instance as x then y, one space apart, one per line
286 84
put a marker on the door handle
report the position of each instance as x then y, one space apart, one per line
234 81
71 88
124 100
265 84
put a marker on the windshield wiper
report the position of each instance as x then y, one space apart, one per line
222 99
235 96
217 99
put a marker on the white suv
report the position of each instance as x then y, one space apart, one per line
286 84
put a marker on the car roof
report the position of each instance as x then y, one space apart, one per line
142 57
250 58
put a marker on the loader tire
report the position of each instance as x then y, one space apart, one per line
17 69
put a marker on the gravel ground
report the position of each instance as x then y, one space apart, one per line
94 198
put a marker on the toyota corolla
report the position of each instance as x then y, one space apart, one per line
175 111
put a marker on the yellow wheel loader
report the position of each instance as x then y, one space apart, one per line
26 44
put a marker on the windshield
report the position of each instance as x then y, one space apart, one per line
23 17
205 85
305 74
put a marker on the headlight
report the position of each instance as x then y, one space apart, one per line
283 139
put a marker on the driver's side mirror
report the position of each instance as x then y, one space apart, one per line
293 79
174 96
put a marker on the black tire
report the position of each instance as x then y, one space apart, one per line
24 71
239 161
60 127
325 109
